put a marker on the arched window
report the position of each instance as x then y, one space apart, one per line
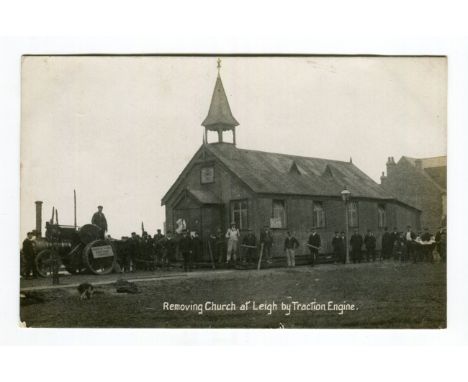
382 215
278 219
353 218
319 215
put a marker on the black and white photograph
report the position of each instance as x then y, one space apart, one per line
233 191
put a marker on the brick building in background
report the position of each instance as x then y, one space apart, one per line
223 183
422 183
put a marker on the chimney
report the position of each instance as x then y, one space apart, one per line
390 165
383 178
39 218
418 163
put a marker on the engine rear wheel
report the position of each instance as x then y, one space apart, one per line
99 257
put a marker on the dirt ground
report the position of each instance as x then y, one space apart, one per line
375 295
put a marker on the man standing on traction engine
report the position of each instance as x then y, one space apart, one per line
100 220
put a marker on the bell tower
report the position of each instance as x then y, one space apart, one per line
219 118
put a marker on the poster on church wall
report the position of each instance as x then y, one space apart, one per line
207 151
275 223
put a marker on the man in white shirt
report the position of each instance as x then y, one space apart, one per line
232 235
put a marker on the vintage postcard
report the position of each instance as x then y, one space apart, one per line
224 191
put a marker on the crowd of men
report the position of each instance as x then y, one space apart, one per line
400 246
148 252
232 248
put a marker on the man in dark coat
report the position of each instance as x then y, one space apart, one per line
356 245
170 248
197 247
135 251
338 248
100 220
427 248
28 253
426 236
185 248
314 243
158 236
147 252
395 235
343 253
158 244
441 243
266 238
212 246
249 247
124 254
410 236
387 244
220 246
399 249
370 244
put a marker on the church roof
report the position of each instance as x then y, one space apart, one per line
219 114
283 174
271 173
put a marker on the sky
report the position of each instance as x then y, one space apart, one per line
119 130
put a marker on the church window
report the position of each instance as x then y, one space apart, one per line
382 216
278 219
353 220
318 215
239 213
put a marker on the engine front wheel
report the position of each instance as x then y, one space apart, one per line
46 261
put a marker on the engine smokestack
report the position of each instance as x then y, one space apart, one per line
39 218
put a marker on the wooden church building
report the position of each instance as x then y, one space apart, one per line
224 183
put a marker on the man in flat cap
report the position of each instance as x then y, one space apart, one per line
185 248
266 238
314 244
100 220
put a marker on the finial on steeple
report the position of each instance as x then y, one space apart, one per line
219 65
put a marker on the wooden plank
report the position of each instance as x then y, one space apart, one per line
260 257
211 255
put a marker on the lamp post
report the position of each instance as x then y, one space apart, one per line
345 194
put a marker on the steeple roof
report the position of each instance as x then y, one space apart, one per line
220 115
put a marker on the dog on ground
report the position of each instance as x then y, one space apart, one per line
86 291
